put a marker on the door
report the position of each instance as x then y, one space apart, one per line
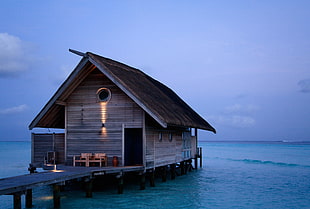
133 153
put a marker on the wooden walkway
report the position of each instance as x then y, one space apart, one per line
24 184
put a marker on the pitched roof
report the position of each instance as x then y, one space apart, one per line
159 101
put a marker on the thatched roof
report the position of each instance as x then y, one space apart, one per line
156 99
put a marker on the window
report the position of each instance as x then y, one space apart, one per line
103 95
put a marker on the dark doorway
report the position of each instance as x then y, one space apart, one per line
133 146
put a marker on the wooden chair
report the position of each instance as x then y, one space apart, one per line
83 158
100 158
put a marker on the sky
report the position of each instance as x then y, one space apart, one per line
243 65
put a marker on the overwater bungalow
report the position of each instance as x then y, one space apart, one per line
115 119
114 114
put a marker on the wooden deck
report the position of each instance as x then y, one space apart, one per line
63 173
24 184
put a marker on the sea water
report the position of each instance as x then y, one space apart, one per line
234 175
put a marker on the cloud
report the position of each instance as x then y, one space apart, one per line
304 85
13 110
13 55
238 108
237 116
237 121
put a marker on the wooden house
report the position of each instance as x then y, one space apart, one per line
105 106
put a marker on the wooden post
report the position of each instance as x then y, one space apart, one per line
152 178
200 155
196 161
17 200
29 198
172 171
142 181
120 187
190 166
185 167
89 187
164 173
56 195
182 168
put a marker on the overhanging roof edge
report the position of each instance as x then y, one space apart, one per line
58 93
129 93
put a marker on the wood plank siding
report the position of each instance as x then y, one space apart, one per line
167 146
86 117
43 143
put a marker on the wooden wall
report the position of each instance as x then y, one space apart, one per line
43 143
164 151
85 116
97 127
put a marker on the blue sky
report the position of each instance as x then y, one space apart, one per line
243 65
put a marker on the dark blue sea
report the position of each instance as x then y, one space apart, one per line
234 175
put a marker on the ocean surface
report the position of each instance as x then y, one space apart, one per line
234 175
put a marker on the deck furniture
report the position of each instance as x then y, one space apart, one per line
82 159
91 159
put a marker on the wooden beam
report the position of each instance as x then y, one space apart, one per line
77 52
62 103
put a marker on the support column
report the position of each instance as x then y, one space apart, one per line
120 186
142 181
185 167
196 161
172 171
56 195
200 155
182 168
89 187
164 173
17 200
190 165
29 198
152 178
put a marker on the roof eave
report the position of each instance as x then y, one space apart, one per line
128 93
58 93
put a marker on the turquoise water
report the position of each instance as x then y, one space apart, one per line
234 175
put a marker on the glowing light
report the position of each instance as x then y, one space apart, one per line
55 169
103 110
